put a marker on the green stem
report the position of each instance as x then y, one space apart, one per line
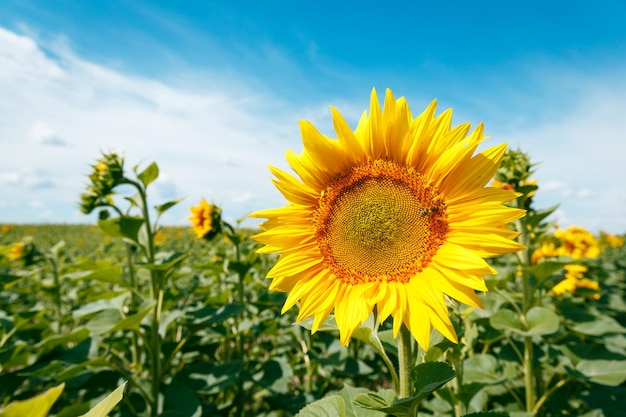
528 374
547 394
57 288
391 367
405 362
136 363
156 294
527 292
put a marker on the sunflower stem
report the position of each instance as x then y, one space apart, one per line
527 292
405 362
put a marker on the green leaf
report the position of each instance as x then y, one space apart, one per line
124 227
149 174
349 394
208 315
506 319
382 401
603 372
104 407
331 406
166 261
545 269
487 414
111 274
601 326
162 208
482 369
533 218
181 401
33 407
103 321
8 280
131 322
541 321
430 376
50 342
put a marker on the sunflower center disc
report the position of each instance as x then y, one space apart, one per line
379 221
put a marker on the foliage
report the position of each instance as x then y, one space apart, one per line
190 328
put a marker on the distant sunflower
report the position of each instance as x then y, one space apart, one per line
391 217
206 220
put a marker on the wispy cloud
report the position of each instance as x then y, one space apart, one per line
214 133
212 141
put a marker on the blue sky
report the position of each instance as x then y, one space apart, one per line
213 91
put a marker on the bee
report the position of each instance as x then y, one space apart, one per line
425 211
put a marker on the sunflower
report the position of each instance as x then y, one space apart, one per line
391 217
206 220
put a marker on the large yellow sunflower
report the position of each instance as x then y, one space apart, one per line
392 217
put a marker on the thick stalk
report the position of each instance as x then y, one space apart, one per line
405 361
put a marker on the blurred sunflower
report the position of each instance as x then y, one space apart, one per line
390 218
575 279
206 220
577 242
16 252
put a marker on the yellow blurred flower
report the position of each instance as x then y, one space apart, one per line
394 217
16 252
575 279
565 286
160 237
574 272
547 250
577 242
5 228
206 220
610 240
509 187
502 185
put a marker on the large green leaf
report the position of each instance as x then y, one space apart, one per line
482 369
506 319
104 407
349 394
331 406
50 342
430 376
33 407
126 227
541 321
111 274
181 401
543 270
600 326
604 372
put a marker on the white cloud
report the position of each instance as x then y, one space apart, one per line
43 134
212 141
580 150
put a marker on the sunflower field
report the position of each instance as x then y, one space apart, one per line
406 275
